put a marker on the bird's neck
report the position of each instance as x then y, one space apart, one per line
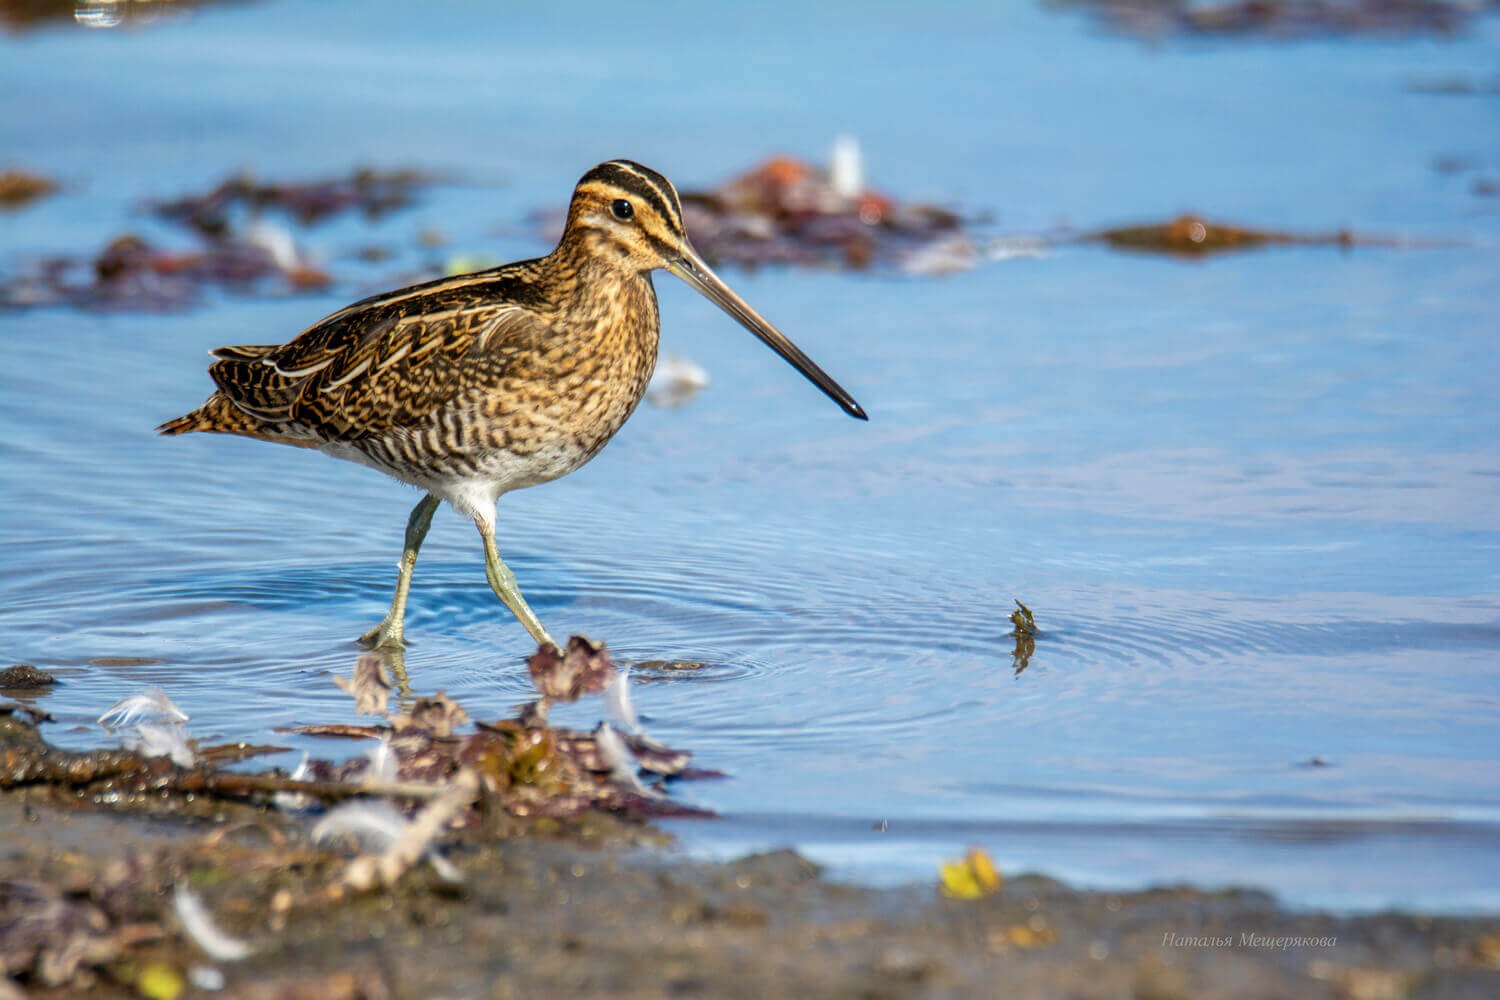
592 290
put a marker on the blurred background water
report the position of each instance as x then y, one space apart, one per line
1252 500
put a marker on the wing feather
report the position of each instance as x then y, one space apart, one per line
388 362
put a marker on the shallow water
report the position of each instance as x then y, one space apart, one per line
1251 500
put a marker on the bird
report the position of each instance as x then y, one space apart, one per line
471 386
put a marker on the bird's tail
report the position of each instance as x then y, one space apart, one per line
184 424
218 415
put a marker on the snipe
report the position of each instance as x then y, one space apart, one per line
473 386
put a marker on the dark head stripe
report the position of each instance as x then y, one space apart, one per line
643 182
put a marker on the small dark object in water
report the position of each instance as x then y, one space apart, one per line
25 677
1025 633
19 188
1188 235
1022 619
1195 236
1282 19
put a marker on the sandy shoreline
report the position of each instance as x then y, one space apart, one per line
589 909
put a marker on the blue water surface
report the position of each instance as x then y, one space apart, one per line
1252 500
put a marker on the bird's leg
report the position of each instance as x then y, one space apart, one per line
503 583
389 632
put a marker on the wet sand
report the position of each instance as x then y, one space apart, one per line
589 908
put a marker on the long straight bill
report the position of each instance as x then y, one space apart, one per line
690 268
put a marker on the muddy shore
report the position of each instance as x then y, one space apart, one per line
589 908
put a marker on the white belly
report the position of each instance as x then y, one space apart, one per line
475 493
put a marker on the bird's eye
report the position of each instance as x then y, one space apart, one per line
623 210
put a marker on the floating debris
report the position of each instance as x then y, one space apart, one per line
1025 633
1023 620
1281 19
1195 236
969 877
19 188
1020 656
584 669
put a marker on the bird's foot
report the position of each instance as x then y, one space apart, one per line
386 635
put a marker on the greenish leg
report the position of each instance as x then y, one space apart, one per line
503 583
390 631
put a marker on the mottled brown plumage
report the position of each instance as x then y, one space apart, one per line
479 384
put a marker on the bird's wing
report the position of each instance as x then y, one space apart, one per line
384 363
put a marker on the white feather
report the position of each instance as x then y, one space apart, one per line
160 739
616 756
446 870
377 825
295 801
617 701
383 763
152 703
199 926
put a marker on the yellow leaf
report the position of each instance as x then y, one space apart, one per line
160 981
970 877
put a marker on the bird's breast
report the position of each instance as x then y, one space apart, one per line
592 377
